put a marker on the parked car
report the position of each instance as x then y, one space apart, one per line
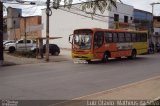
20 45
8 41
53 49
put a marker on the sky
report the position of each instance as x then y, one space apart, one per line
141 4
138 4
144 5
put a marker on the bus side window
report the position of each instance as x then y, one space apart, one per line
128 37
133 37
143 37
121 37
138 37
115 38
108 37
98 39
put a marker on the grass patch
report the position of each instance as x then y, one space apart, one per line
27 54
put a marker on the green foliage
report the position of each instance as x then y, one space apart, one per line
92 5
101 5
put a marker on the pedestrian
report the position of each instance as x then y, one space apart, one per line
157 46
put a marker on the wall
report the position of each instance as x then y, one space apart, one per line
122 10
143 19
142 15
63 22
19 33
156 22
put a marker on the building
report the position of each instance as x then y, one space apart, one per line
63 21
156 25
142 19
20 21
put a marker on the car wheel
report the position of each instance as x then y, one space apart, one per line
89 61
56 53
12 49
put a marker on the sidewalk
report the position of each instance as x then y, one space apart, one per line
148 89
9 60
134 94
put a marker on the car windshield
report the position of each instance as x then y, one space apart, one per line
82 40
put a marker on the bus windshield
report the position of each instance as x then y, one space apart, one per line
82 40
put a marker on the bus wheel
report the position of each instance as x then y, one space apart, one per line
89 61
133 55
105 58
118 58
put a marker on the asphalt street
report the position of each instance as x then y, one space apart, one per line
66 80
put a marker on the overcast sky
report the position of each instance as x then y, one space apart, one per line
144 5
141 4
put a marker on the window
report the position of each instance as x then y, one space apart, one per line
131 18
116 17
82 40
121 37
143 37
115 37
133 37
156 33
138 37
28 41
34 41
21 41
108 37
98 39
128 37
126 19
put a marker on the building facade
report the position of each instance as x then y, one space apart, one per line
20 33
142 20
18 20
156 25
64 21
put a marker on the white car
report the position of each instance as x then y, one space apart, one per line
8 41
20 45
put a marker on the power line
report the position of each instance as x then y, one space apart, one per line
82 15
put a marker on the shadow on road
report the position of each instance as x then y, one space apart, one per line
114 61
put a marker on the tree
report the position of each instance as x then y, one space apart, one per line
94 5
101 5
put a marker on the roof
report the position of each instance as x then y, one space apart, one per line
27 9
143 11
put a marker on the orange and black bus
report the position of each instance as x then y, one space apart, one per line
102 44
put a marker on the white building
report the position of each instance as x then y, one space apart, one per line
64 21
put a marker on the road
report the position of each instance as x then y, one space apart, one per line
66 80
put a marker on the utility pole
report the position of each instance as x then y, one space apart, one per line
25 35
48 13
1 33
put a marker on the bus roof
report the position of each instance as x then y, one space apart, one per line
112 30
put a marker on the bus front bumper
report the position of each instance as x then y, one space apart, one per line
82 56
